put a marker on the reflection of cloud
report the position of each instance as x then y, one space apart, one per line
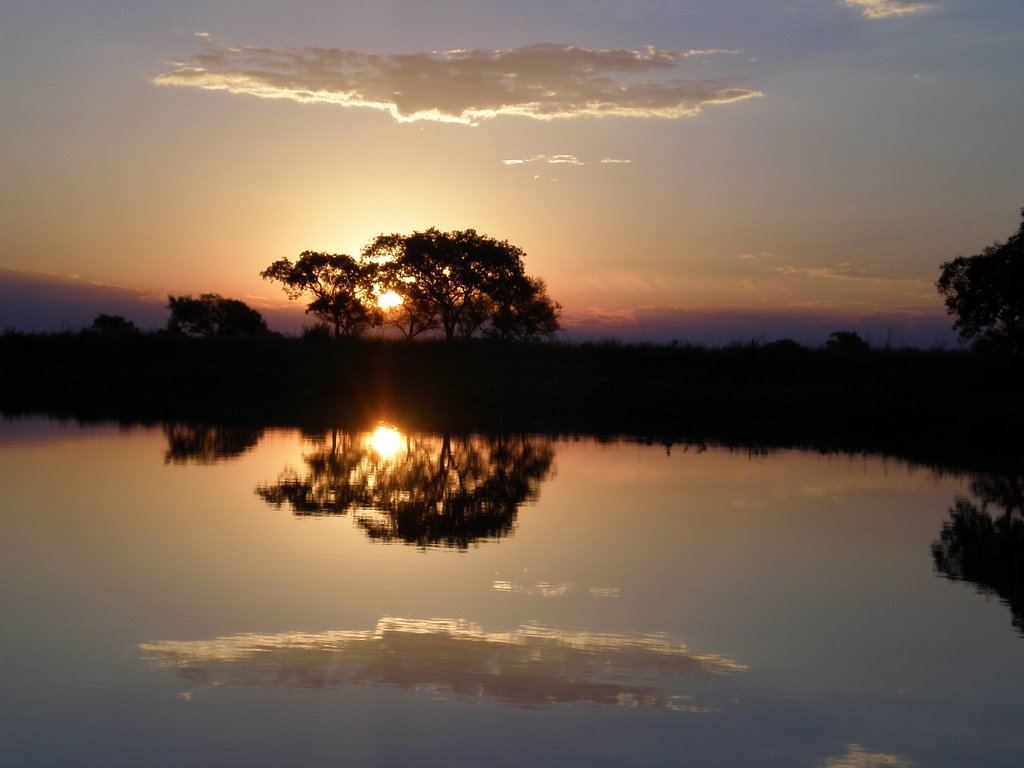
857 757
546 589
528 667
544 81
884 9
541 588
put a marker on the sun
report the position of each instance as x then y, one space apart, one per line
389 299
385 441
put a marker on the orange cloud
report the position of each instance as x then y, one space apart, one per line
544 81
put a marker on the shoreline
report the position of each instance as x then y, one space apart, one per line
950 408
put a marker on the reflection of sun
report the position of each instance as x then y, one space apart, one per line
386 441
389 299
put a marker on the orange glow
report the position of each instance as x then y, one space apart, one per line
389 299
386 441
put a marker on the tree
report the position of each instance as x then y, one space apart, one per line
846 341
455 281
524 312
113 325
213 315
340 287
986 294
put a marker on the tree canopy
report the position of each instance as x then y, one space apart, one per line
463 284
458 283
986 294
340 288
213 315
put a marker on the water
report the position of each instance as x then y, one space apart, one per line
180 596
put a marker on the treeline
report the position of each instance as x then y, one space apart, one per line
915 403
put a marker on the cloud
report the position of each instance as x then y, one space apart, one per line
886 9
549 159
849 273
563 160
545 81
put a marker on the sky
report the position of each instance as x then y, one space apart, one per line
664 164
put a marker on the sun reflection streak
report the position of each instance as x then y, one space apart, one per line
386 441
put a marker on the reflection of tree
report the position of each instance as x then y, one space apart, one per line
433 490
985 549
207 444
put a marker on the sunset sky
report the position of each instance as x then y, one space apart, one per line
655 159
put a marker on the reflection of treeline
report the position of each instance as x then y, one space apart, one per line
206 443
949 407
982 543
449 490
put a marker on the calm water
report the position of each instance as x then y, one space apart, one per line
177 596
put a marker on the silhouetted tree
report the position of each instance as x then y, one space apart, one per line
213 315
113 325
986 294
523 311
450 280
985 549
340 287
846 341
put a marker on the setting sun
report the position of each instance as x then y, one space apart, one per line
389 299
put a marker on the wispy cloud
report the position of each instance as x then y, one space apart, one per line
849 272
544 81
562 160
547 159
887 9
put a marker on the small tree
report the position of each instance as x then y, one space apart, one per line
113 325
846 341
213 315
340 287
986 294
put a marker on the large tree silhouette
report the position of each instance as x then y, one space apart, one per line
986 294
433 490
461 282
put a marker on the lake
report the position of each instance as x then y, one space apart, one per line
182 595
